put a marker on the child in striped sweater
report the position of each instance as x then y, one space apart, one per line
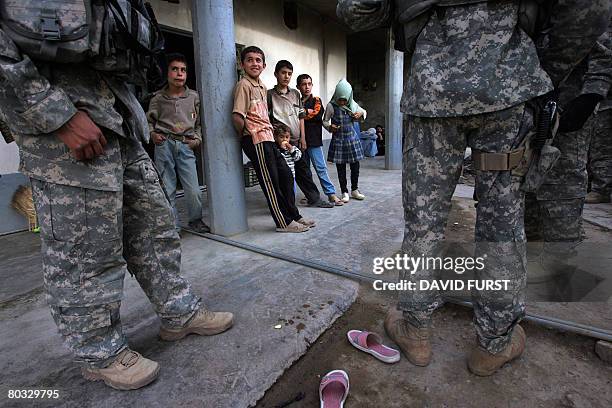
289 152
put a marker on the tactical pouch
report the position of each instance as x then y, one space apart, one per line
51 30
118 36
131 40
540 156
541 163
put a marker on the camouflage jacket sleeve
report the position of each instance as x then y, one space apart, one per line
363 15
46 108
575 27
598 77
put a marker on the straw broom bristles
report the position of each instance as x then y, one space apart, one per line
23 203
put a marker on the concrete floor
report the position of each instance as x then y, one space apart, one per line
234 369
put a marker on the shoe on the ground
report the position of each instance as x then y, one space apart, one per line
334 389
303 201
128 371
593 197
321 204
204 323
199 226
307 222
483 363
414 342
371 343
335 200
294 226
357 195
345 197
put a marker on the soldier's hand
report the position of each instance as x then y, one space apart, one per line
158 138
334 128
82 136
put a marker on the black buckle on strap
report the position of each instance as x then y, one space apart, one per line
49 23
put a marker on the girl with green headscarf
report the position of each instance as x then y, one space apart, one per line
341 117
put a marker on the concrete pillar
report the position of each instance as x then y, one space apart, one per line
394 74
215 58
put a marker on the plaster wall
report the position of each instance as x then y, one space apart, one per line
317 47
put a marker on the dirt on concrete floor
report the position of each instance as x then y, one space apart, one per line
557 369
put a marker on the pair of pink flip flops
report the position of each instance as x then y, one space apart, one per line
334 386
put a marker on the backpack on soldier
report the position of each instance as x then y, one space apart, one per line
118 36
49 30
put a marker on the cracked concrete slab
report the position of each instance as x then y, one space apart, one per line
233 369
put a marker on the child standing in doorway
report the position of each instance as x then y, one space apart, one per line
345 146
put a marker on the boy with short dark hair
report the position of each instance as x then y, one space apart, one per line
174 125
313 129
285 106
251 121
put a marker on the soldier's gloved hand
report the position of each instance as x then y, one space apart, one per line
82 136
577 111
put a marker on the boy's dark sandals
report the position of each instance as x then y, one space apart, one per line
321 204
199 226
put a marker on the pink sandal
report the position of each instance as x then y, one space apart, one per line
371 343
334 389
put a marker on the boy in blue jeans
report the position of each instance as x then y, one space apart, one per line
313 124
174 123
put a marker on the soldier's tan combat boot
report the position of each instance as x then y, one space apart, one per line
204 323
483 363
129 371
414 342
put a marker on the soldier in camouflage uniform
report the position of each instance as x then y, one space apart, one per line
553 214
471 71
600 153
101 209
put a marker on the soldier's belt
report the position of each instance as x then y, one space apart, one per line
497 161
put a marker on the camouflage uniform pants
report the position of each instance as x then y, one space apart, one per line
433 157
600 153
554 213
91 237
